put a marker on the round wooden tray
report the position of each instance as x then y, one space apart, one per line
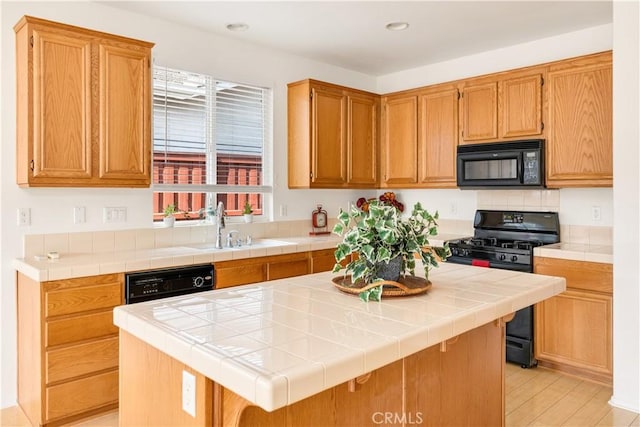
408 285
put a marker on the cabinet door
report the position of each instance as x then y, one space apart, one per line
361 141
579 147
125 151
480 112
400 141
574 329
521 106
438 138
61 107
328 138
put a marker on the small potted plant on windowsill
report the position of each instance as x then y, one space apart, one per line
169 219
248 212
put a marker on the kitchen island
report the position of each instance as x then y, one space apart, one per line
299 352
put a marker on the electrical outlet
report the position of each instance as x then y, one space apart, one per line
596 213
453 208
24 217
189 393
283 210
79 215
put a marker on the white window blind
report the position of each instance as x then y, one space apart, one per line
210 137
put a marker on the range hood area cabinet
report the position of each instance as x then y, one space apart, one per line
503 106
580 134
332 136
419 138
83 107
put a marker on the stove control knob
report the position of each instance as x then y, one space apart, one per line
198 281
514 258
454 251
502 257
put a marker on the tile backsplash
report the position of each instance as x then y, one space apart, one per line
544 200
526 200
156 237
159 237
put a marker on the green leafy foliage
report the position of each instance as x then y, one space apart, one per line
380 234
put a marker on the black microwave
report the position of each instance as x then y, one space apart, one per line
501 165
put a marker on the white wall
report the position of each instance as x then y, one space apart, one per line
176 46
626 196
186 48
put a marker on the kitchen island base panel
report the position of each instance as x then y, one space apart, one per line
460 382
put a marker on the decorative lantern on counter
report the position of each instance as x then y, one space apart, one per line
319 222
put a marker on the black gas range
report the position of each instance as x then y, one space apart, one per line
506 239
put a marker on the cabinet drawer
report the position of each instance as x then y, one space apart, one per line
79 328
75 360
76 300
81 395
583 275
283 269
240 274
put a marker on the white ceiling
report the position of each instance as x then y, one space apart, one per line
352 34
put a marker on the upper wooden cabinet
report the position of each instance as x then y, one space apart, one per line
332 136
83 107
480 112
503 106
438 136
580 138
420 137
520 104
399 146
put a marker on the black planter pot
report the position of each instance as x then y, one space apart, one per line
391 270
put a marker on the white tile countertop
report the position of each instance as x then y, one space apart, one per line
576 252
71 265
278 342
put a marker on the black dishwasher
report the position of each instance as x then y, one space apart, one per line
169 282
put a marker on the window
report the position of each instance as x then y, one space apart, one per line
209 140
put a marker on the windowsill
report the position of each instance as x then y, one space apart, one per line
193 223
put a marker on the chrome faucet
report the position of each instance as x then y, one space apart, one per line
219 224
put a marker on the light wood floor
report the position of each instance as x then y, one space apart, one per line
535 397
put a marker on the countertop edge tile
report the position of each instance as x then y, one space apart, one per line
576 252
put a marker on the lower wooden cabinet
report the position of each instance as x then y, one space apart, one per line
323 260
67 347
573 330
252 270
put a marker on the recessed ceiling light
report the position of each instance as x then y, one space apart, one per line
397 26
237 26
